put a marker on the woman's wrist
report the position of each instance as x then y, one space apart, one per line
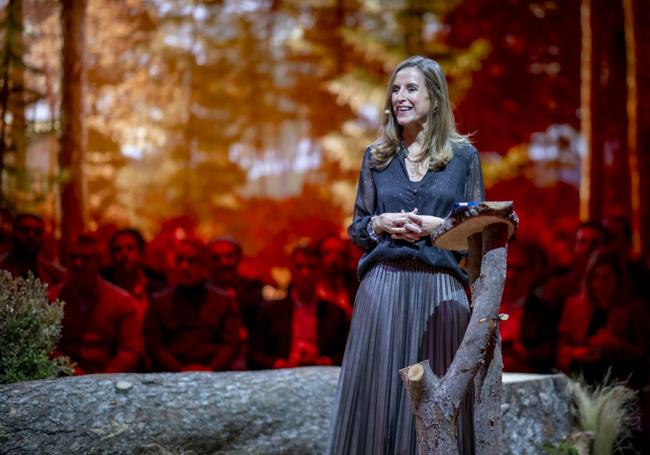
377 225
372 229
430 223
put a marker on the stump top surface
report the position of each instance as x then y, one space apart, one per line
453 232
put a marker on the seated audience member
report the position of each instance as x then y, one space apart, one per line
102 327
127 270
601 327
528 336
5 231
561 250
334 284
302 329
225 256
620 240
192 326
589 236
26 242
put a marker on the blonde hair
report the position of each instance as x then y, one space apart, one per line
440 133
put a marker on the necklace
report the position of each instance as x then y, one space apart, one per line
416 169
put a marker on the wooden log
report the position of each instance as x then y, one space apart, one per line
478 361
257 412
269 412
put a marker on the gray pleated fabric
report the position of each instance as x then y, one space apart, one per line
404 312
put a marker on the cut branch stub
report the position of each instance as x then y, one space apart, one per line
415 373
413 378
454 231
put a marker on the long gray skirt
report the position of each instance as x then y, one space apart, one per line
404 312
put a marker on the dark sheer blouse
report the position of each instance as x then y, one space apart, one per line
391 190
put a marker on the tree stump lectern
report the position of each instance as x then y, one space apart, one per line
482 230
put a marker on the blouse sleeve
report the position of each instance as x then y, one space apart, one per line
474 190
365 206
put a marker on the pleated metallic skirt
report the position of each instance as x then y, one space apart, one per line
404 312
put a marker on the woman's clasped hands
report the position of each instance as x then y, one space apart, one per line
409 226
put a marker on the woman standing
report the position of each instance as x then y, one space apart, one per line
411 303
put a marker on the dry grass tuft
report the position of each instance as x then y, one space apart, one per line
608 411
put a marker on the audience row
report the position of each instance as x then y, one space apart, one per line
583 310
201 315
583 306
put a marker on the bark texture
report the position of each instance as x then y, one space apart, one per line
269 412
540 412
477 362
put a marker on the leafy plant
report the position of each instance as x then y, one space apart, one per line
577 443
30 327
564 448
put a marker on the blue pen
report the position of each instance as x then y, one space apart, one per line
460 206
466 204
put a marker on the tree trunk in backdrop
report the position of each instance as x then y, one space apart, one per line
615 111
637 43
605 188
11 95
73 134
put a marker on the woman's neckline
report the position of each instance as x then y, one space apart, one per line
405 165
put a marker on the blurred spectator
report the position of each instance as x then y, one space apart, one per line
589 236
161 250
127 271
102 327
5 231
561 250
620 240
528 336
26 243
192 326
302 329
335 284
225 257
601 327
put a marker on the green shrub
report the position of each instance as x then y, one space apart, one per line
30 328
563 448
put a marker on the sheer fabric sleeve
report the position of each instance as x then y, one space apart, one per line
474 190
365 206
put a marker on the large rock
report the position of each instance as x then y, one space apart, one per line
270 412
539 413
282 411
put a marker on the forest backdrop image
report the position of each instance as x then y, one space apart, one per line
249 118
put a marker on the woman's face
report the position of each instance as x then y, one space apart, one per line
410 98
603 284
